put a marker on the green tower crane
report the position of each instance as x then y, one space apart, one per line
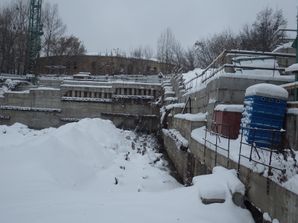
35 33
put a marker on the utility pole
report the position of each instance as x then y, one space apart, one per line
35 33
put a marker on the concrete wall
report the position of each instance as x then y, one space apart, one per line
34 98
178 157
277 201
35 107
292 131
33 119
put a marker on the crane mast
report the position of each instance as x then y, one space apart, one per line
35 33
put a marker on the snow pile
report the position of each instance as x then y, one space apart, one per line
192 74
292 68
171 99
229 108
169 90
11 84
267 90
267 218
91 171
176 105
220 185
284 46
292 111
199 117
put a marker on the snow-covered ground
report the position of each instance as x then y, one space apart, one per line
91 171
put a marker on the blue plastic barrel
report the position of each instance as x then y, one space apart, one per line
263 116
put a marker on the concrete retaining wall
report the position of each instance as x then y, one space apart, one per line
292 130
279 202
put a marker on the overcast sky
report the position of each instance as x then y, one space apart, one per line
106 24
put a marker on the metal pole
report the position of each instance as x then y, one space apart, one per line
240 149
205 144
296 75
216 136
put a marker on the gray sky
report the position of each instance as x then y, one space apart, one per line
106 24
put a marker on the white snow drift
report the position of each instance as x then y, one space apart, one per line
91 171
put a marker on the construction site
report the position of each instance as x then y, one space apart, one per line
240 113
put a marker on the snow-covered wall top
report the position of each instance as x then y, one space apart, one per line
267 90
292 68
229 108
199 117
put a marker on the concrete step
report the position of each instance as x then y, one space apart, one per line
185 123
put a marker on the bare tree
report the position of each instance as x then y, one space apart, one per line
148 52
262 35
13 37
264 28
169 50
137 52
142 52
165 46
190 59
53 28
69 46
208 49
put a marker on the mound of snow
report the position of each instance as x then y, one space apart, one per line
267 90
90 171
73 156
220 185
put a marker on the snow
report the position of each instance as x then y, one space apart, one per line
20 108
229 108
292 68
90 171
87 86
255 62
193 79
292 184
191 74
283 46
176 105
87 99
267 217
267 90
44 88
292 111
221 184
278 160
181 142
136 97
169 99
198 117
168 90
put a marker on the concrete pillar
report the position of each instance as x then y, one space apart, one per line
73 93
